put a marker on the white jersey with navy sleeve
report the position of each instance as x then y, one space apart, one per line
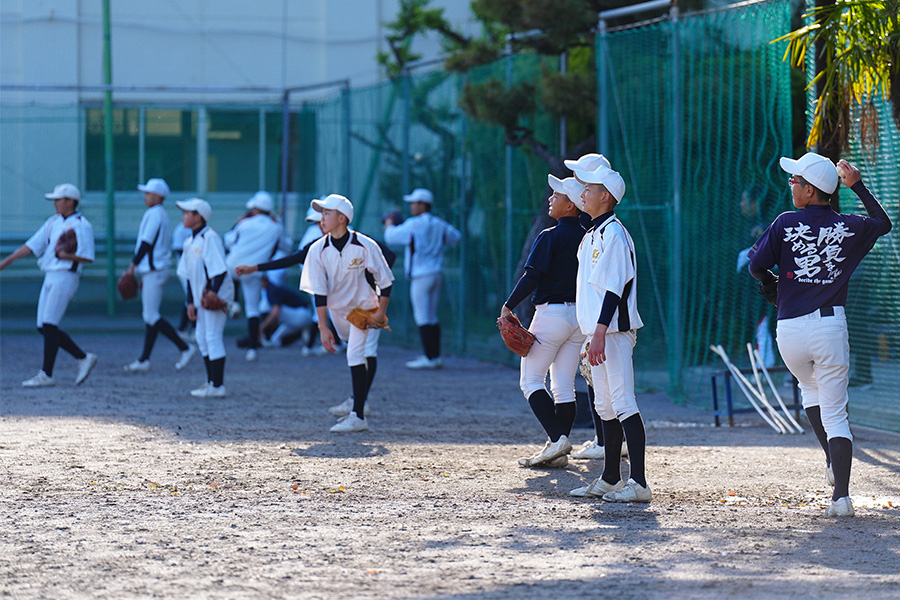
425 237
341 275
43 243
204 258
606 262
156 231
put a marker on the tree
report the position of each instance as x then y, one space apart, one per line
857 46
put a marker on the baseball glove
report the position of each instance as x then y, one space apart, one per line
517 338
67 243
362 319
769 290
128 285
394 215
584 366
211 301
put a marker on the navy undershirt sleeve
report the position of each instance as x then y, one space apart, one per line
216 282
524 287
189 299
386 292
298 257
610 302
142 251
321 300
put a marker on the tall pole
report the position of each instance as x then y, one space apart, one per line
407 105
110 168
676 313
508 162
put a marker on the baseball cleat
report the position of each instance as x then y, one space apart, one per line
829 475
597 488
349 424
556 463
186 357
85 365
842 507
423 362
39 380
251 355
588 450
138 366
200 392
551 451
215 392
343 409
631 492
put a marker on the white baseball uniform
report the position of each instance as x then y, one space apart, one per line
61 277
606 262
341 276
154 265
252 241
203 258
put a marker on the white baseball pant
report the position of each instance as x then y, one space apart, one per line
424 293
354 336
251 285
210 330
558 350
372 343
816 350
614 378
57 290
153 283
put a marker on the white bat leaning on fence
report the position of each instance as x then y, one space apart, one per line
745 387
756 355
761 393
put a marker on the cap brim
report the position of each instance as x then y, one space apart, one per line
789 165
556 184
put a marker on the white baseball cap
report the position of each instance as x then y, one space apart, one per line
64 190
814 168
606 177
196 204
155 186
313 216
568 187
420 195
261 201
588 162
334 202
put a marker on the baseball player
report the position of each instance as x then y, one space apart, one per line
152 254
425 237
62 271
606 303
203 265
549 278
817 250
290 311
337 272
179 234
255 239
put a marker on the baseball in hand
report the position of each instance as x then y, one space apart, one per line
841 172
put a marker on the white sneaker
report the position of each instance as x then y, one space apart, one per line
423 362
829 475
597 488
589 450
557 463
551 451
215 392
842 507
343 409
138 366
84 367
186 357
39 380
251 355
631 492
304 351
187 336
349 424
200 392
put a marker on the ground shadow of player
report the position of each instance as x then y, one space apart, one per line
342 450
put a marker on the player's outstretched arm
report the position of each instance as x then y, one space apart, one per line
246 269
19 252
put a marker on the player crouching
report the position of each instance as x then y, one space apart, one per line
337 271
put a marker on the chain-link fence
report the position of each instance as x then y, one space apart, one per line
696 115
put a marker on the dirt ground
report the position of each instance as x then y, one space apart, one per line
127 487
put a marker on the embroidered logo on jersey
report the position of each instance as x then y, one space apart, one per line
356 263
816 255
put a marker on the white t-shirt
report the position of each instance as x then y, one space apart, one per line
606 262
425 237
342 275
156 231
43 242
253 240
204 258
